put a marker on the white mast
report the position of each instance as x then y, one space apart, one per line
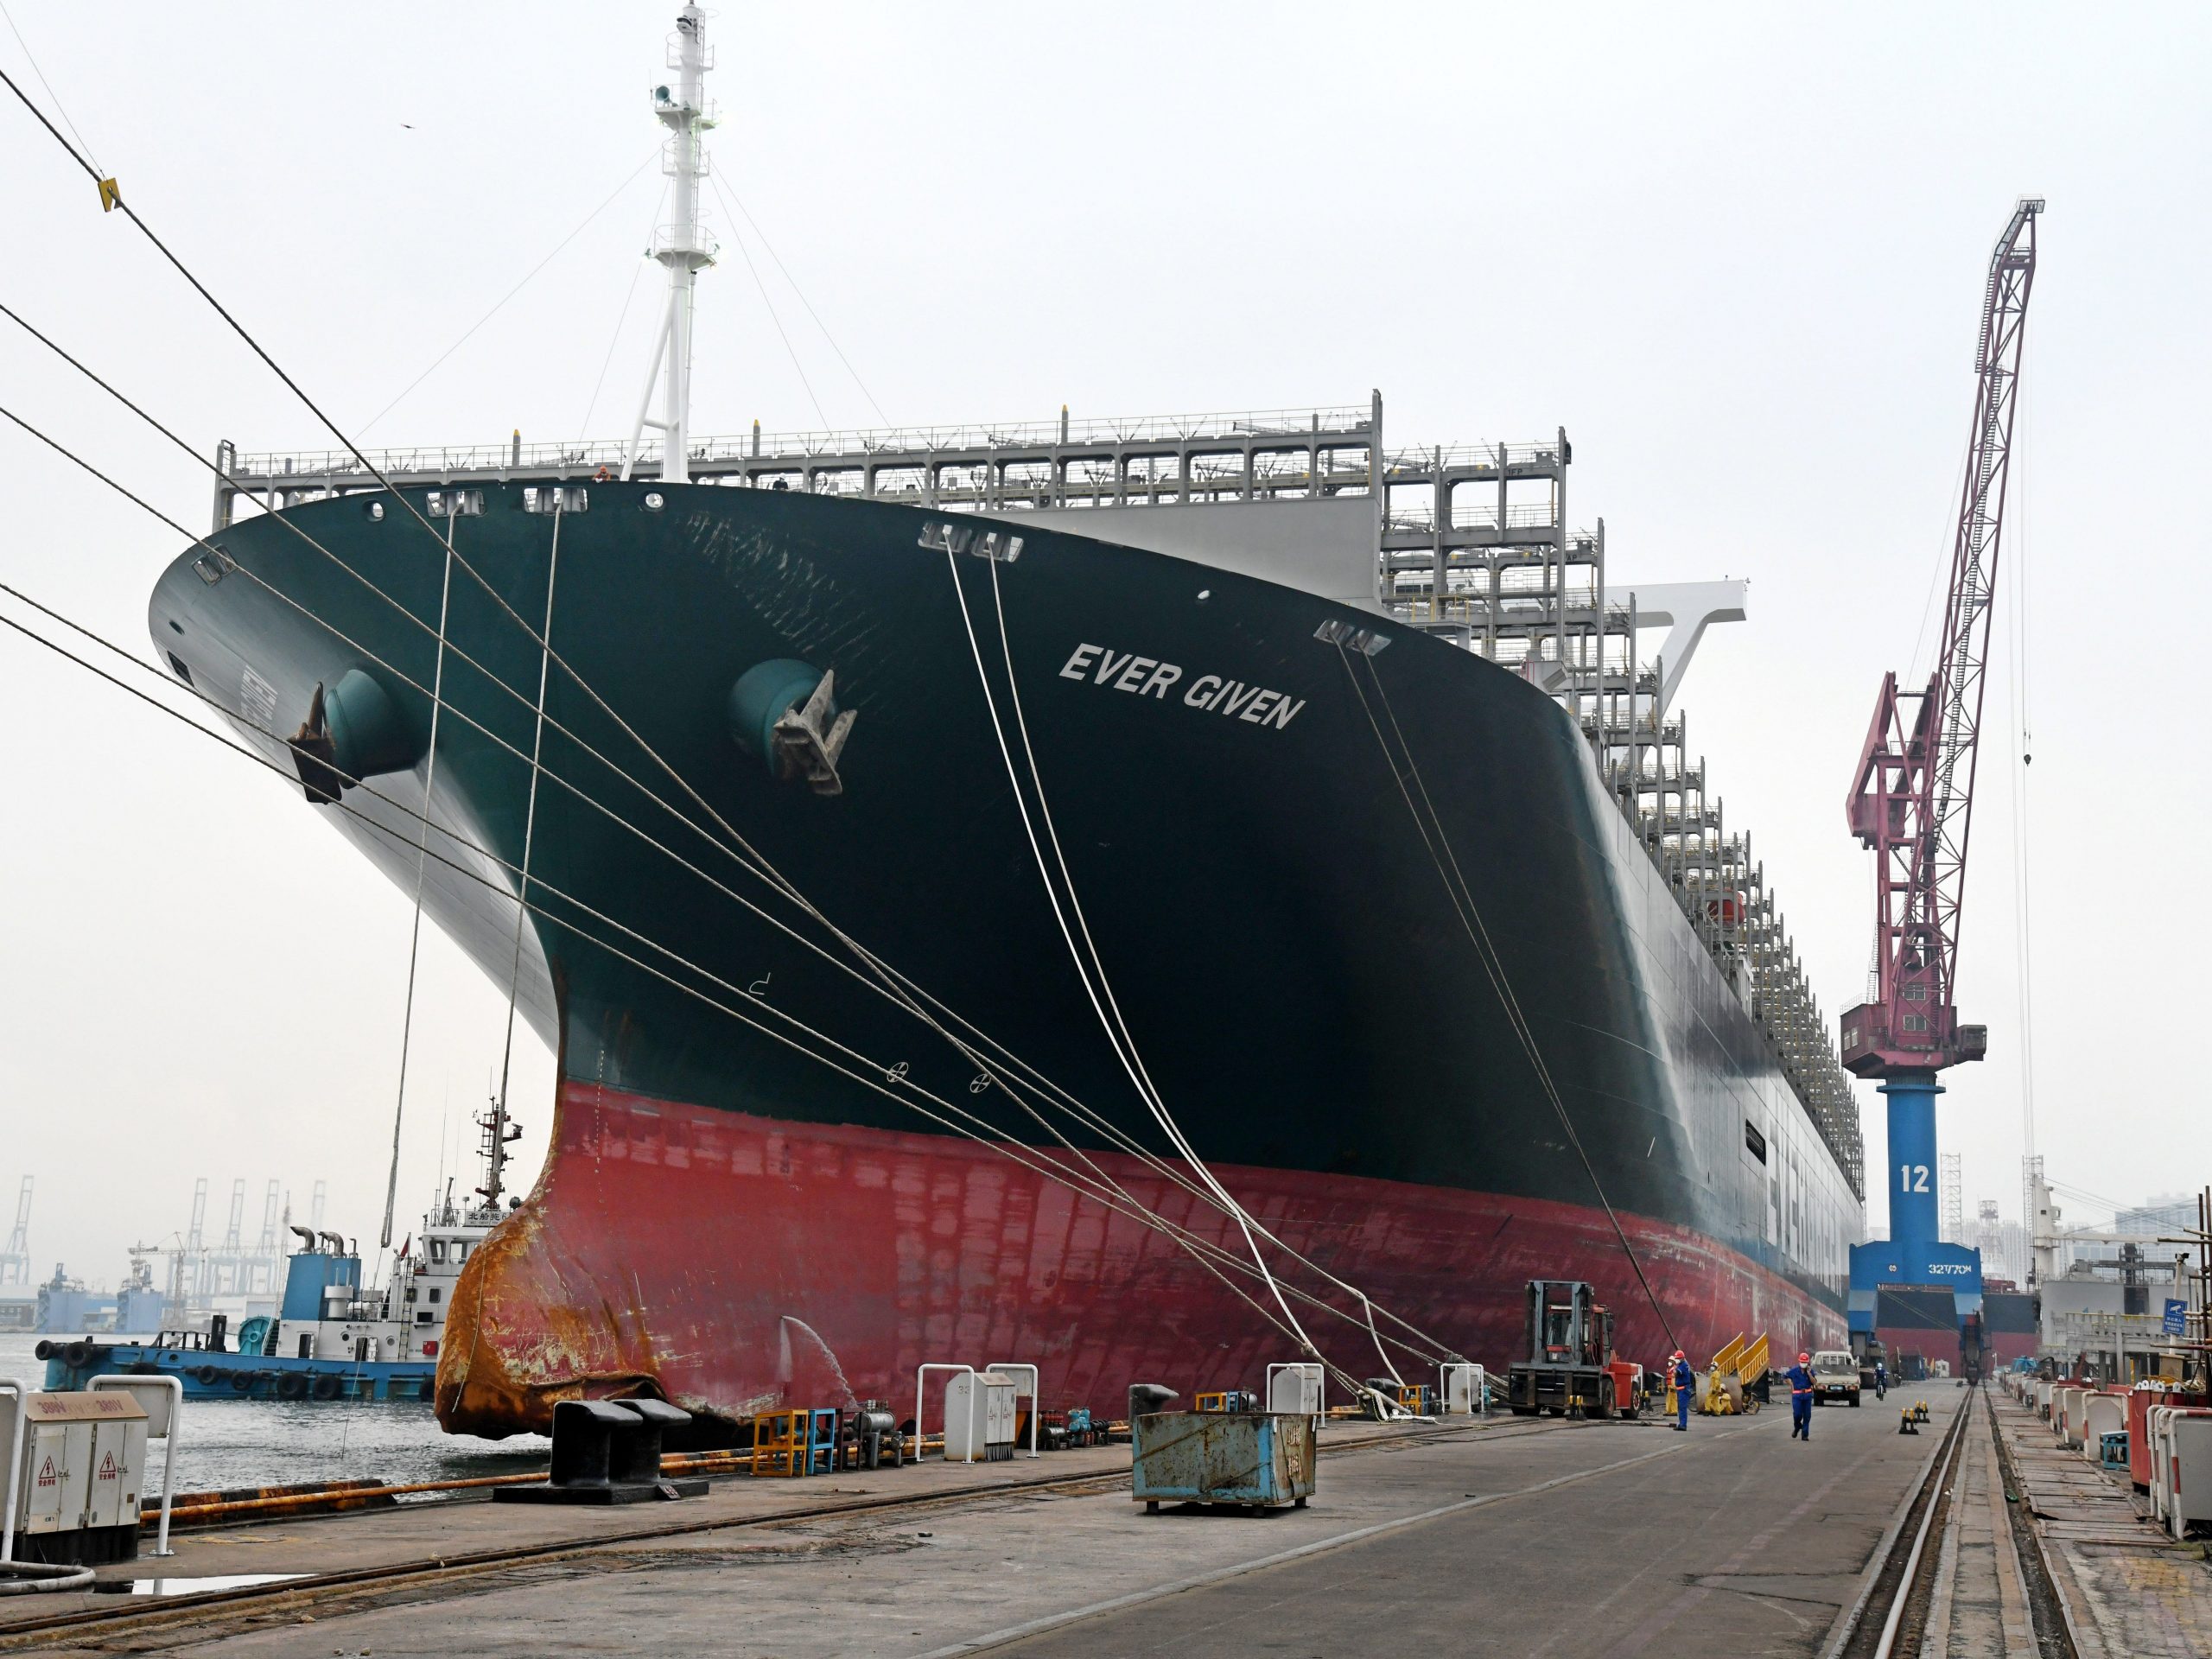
680 244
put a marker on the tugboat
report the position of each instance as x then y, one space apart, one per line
333 1338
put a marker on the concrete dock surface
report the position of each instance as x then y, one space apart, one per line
2126 1588
1511 1537
1502 1535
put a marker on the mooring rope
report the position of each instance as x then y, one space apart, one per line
1463 904
422 868
112 199
1135 1059
528 824
1210 1256
1130 1065
904 995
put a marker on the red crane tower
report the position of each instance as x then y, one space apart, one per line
1911 800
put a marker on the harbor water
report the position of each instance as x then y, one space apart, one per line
264 1442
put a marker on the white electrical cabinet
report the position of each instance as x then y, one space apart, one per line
2066 1417
979 1417
2161 1457
2101 1414
79 1471
1463 1389
2181 1466
1294 1388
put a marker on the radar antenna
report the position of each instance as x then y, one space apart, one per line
498 1132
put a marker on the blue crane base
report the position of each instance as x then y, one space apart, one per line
1914 1254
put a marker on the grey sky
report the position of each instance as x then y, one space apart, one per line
1737 253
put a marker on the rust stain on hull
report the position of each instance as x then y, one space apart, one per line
531 1325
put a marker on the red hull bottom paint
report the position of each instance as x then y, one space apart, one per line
734 1264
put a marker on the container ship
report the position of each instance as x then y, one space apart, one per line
989 889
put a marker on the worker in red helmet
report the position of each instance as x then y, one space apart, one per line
1684 1379
1800 1398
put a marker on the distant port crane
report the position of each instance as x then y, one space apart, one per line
1912 801
16 1259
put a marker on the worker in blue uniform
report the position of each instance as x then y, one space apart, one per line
1800 1398
1881 1379
1684 1379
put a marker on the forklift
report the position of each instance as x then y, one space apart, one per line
1569 1339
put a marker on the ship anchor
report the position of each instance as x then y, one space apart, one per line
811 736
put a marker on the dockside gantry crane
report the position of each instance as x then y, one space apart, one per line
16 1259
1912 801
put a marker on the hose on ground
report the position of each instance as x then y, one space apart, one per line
42 1578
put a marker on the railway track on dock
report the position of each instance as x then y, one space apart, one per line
1893 1615
244 1607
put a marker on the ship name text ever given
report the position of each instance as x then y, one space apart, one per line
1147 677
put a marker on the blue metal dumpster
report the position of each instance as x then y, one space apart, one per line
1254 1460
